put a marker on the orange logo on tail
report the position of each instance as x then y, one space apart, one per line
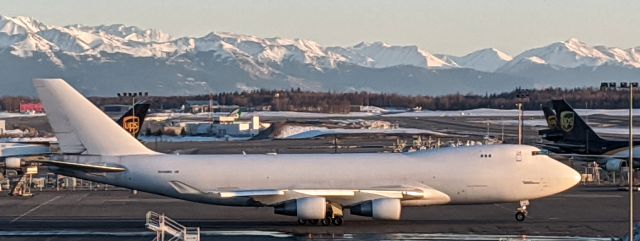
131 124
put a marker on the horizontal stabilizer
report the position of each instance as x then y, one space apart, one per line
80 166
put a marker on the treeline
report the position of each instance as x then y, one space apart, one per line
330 102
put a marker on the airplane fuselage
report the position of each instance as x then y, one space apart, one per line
485 174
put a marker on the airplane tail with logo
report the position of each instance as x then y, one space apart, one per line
550 117
552 133
573 127
80 126
132 122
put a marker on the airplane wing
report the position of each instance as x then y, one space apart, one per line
346 197
565 145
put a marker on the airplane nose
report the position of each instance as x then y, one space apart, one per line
570 176
566 176
575 176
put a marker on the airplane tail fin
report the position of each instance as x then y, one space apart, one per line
552 133
550 116
132 122
575 129
82 128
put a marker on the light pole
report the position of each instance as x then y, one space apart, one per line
630 85
519 105
521 95
630 176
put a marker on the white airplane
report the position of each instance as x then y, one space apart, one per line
313 187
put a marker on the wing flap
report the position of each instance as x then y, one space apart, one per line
250 193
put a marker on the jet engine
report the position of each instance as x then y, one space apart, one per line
303 208
384 208
13 163
614 165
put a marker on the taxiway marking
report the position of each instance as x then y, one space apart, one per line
34 209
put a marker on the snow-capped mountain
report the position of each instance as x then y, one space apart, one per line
100 59
132 33
382 55
488 60
117 38
574 53
569 54
20 25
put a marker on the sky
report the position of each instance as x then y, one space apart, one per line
440 26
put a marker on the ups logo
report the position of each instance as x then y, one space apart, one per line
131 124
552 121
567 119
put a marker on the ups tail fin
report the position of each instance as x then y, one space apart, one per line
80 126
552 133
132 122
550 116
575 129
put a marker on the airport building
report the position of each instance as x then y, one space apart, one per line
221 126
200 106
31 108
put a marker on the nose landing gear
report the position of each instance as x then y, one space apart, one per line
522 212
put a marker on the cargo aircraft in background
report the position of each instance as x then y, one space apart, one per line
133 119
315 188
570 136
23 147
13 155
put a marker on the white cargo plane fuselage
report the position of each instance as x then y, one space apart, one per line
309 186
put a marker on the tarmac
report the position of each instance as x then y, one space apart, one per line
582 213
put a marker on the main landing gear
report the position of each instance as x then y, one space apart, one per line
334 216
522 212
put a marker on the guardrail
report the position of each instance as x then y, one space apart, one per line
165 226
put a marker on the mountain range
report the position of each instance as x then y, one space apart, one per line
106 59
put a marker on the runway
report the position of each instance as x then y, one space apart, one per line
582 213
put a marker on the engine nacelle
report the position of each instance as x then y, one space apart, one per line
384 208
614 165
13 163
303 208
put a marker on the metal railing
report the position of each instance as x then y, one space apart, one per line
165 226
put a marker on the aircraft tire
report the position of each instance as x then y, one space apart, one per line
520 216
337 221
326 221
